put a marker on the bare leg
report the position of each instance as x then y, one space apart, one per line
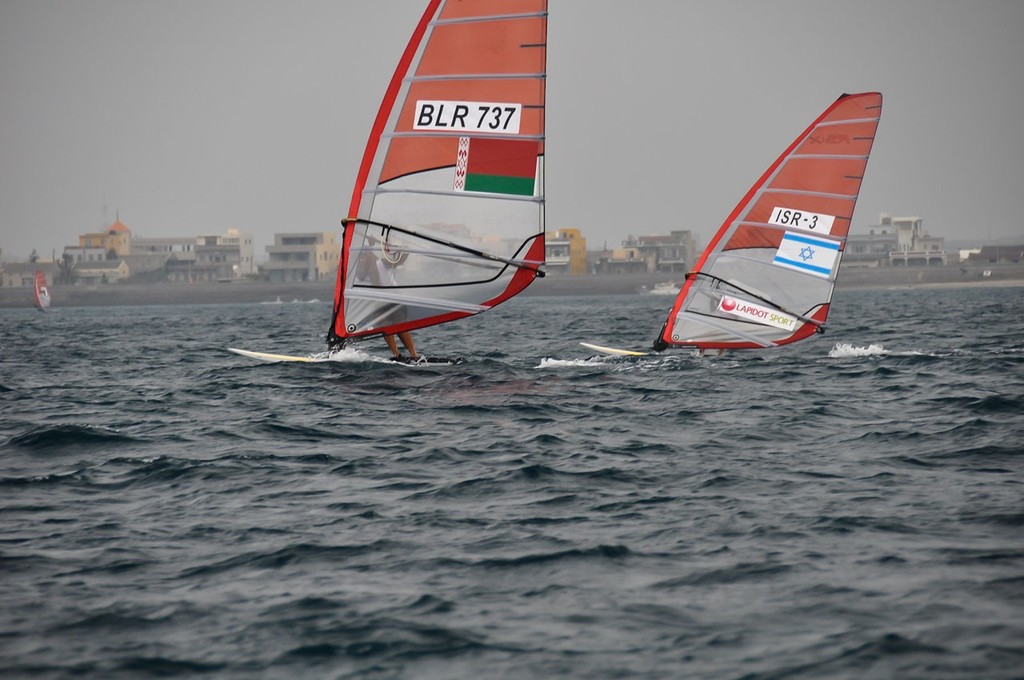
406 338
392 345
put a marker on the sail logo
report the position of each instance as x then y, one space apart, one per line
807 254
751 312
455 116
832 138
801 219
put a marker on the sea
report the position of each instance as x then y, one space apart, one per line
851 506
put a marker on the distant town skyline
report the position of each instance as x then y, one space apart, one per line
260 254
660 113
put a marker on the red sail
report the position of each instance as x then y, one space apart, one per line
767 276
447 213
41 291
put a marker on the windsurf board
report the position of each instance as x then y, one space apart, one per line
614 351
325 356
273 358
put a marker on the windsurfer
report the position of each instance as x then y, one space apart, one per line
378 270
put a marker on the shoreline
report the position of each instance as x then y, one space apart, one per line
552 285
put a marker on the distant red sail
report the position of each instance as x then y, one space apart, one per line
41 292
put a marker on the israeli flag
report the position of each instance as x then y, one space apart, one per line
807 254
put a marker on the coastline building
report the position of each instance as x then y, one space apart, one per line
98 246
23 274
671 253
116 240
565 252
85 254
620 261
210 257
243 242
172 246
172 257
306 256
895 242
222 257
102 272
1011 254
99 257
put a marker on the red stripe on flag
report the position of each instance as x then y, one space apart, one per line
505 157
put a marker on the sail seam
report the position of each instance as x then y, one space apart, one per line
476 135
804 192
489 17
848 121
475 76
776 227
830 156
460 194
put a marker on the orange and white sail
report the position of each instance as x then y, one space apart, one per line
767 276
41 292
447 214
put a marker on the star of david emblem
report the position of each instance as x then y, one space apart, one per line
806 253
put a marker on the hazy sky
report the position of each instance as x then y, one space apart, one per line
195 116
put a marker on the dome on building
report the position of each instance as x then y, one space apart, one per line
118 227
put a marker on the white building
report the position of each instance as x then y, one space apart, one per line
307 256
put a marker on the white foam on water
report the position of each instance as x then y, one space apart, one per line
844 350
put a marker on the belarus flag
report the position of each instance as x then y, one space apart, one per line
807 254
500 166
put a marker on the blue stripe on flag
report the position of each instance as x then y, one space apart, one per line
803 265
811 241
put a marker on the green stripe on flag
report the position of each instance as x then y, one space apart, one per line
500 184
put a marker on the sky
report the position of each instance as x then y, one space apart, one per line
197 116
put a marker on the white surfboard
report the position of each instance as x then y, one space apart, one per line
273 358
613 351
325 356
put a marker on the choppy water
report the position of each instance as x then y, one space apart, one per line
849 507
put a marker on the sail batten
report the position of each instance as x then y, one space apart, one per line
804 192
775 227
450 135
460 195
489 17
873 120
474 76
819 156
784 240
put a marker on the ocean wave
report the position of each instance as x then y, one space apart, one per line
70 438
737 573
299 553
